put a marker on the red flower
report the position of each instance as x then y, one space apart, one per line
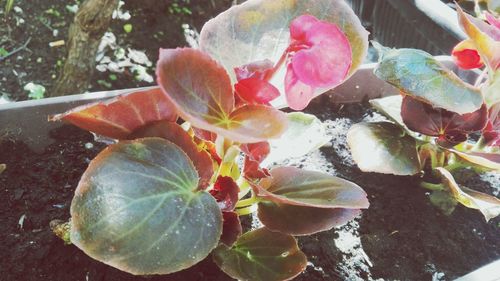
466 58
253 86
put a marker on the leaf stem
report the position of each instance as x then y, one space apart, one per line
481 76
248 202
244 187
454 166
433 186
247 210
479 145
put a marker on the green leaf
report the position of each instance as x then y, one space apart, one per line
419 74
201 91
383 147
3 52
490 161
259 29
35 91
127 27
488 205
138 208
391 107
305 133
491 90
174 133
300 220
261 255
294 186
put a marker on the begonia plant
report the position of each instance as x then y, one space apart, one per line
171 190
439 124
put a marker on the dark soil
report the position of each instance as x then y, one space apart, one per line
156 24
401 232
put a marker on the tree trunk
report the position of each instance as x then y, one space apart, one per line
85 33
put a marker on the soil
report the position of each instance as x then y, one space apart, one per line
155 24
402 234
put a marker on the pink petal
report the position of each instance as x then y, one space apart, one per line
300 26
298 95
324 65
325 31
328 59
257 69
256 91
492 20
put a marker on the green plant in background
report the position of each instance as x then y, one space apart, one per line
176 8
127 27
440 124
35 91
9 4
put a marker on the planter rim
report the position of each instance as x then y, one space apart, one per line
101 95
28 120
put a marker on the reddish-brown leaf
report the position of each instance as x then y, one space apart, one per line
300 220
231 228
201 91
225 191
491 132
255 153
119 117
293 186
437 122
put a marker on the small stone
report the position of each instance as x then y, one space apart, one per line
18 194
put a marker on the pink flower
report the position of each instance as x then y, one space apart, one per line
320 56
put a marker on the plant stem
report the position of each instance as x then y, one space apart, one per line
248 202
247 210
479 145
454 166
244 188
432 186
481 77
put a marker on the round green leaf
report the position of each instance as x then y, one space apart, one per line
261 255
419 74
259 29
138 208
383 147
174 133
294 186
300 220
